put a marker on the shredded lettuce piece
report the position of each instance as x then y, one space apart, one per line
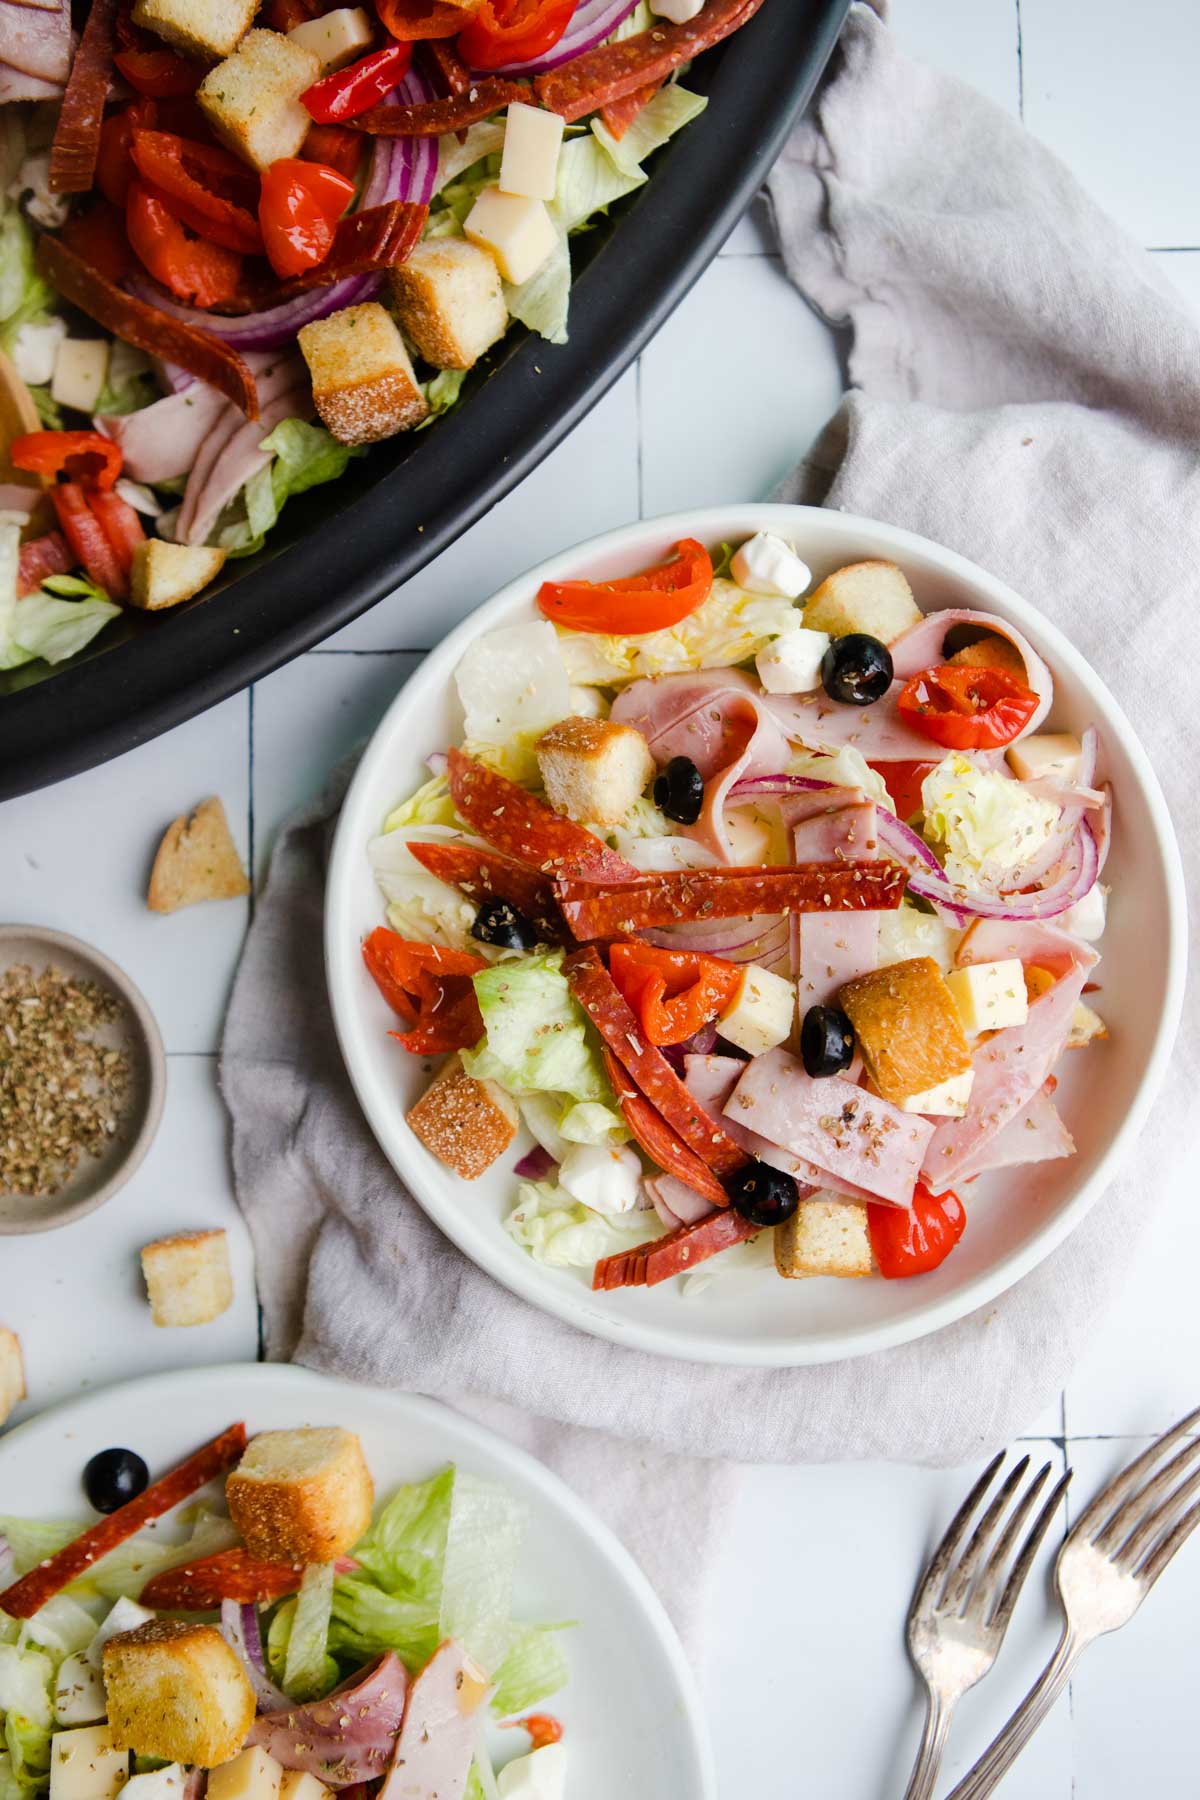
728 628
486 139
987 825
513 685
49 412
909 932
420 906
442 392
26 1688
558 1231
24 295
669 111
483 1539
61 1627
536 1035
33 1540
303 456
44 626
847 767
543 301
591 1123
305 1668
367 1621
430 805
534 1668
10 1787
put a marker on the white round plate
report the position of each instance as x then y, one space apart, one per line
631 1713
1015 1218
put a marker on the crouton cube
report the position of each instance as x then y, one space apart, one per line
87 1765
204 28
12 1372
868 596
907 1027
450 301
177 1691
165 574
301 1496
1087 1027
992 652
197 860
252 99
593 770
362 377
465 1123
253 1774
188 1277
824 1237
519 233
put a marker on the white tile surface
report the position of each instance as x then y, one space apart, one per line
976 40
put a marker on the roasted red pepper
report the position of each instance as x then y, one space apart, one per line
298 210
673 992
88 539
911 1242
120 525
83 456
194 270
201 185
965 708
336 148
653 601
348 92
407 20
98 238
230 1575
512 31
159 72
903 782
429 988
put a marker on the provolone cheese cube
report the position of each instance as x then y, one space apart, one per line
78 1692
1086 919
35 348
542 1775
297 1784
532 140
336 38
519 232
84 1765
79 370
990 996
949 1099
678 11
1051 756
767 564
157 1784
792 663
252 1775
761 1013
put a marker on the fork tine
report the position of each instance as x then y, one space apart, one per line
1160 1521
1123 1484
993 1571
1002 1611
1154 1565
958 1582
1140 1504
931 1583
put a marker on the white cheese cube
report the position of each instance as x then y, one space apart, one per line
749 835
532 140
79 370
336 38
79 1692
252 1775
792 664
990 996
605 1178
1086 919
948 1100
126 1615
157 1784
84 1765
762 1011
767 564
519 232
34 350
588 703
297 1784
678 11
542 1775
1050 756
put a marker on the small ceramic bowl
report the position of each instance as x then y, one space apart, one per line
95 1178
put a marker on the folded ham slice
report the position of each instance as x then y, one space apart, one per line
675 1203
346 1738
831 950
230 454
436 1746
16 85
163 440
36 41
712 1079
1034 1135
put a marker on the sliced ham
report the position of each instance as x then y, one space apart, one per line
1032 941
831 950
1036 1134
433 1754
163 440
922 647
240 458
346 1738
17 498
15 85
675 1203
35 41
877 732
712 1079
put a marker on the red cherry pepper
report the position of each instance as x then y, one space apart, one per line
673 992
83 456
159 73
407 20
195 271
653 601
298 210
965 708
429 988
511 31
348 92
913 1242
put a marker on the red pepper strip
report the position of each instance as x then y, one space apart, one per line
673 992
449 69
230 1575
486 875
611 71
600 998
81 112
88 540
966 708
84 456
350 91
657 1139
653 601
146 327
98 239
194 270
336 148
285 15
30 1594
429 988
42 556
120 525
202 185
159 72
619 115
903 782
114 160
411 19
432 118
594 911
912 1241
513 31
676 1254
378 238
503 813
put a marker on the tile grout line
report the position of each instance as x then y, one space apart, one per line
641 476
1020 66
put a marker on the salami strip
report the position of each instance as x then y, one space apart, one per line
485 875
618 1025
230 1575
449 69
503 813
697 896
619 115
608 73
676 1254
420 19
378 238
30 1594
40 557
146 327
432 118
77 134
656 1138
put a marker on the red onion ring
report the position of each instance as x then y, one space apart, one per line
535 1165
239 1628
593 21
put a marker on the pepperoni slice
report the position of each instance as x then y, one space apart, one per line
676 1254
486 875
608 73
230 1575
503 813
77 135
619 115
656 1138
618 908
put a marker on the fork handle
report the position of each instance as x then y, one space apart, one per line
1005 1748
933 1746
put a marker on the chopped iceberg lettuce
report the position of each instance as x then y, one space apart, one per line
909 932
558 1231
26 1688
513 684
24 295
588 1122
730 627
61 1627
430 805
536 1035
442 392
303 456
307 1671
847 767
420 907
987 825
534 1668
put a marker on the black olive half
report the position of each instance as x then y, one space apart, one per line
764 1195
826 1041
679 791
114 1477
497 922
856 669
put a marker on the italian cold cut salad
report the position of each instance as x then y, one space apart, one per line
241 240
769 907
278 1643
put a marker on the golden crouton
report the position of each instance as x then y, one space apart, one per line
188 1277
867 596
465 1123
593 770
1087 1027
363 382
205 28
301 1496
992 652
12 1372
197 860
177 1691
824 1237
450 300
252 99
907 1026
165 574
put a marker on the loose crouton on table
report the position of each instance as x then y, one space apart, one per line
12 1372
197 860
188 1277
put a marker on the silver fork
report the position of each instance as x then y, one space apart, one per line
1105 1568
960 1612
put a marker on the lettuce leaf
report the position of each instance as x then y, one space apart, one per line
420 906
847 767
558 1231
33 1540
430 805
306 1670
61 1627
534 1668
26 1687
536 1035
442 392
44 626
671 109
986 824
909 932
24 295
483 1539
304 456
730 627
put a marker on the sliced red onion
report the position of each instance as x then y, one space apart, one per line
535 1165
593 21
1075 878
437 762
239 1628
8 1568
750 940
